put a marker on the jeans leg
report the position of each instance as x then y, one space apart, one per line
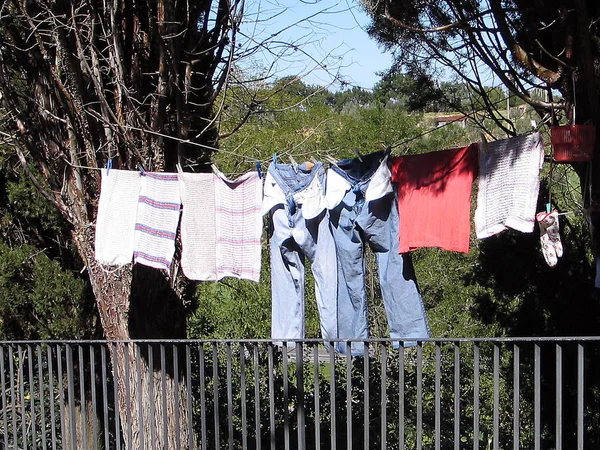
401 297
352 300
315 239
287 280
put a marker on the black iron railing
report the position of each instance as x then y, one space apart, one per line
498 393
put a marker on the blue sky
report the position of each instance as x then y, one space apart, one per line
329 36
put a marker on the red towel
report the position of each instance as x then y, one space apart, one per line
434 198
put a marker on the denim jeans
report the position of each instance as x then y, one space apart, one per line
355 222
293 238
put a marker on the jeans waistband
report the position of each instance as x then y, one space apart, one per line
359 173
291 180
294 179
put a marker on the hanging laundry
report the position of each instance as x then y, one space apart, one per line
341 179
198 229
509 184
360 196
158 212
434 198
552 248
310 191
115 222
238 222
294 196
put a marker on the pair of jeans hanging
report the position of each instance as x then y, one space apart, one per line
367 214
294 197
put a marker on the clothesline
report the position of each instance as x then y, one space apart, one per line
329 158
284 153
431 130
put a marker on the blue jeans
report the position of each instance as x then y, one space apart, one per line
292 239
355 222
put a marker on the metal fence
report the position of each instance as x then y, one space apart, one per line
522 393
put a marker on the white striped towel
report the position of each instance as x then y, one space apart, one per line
157 219
239 225
509 184
115 222
198 232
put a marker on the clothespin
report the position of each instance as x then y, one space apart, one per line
357 153
259 170
331 160
140 168
483 142
534 125
274 158
566 213
108 166
178 167
294 164
548 207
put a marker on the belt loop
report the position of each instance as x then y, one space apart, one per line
291 208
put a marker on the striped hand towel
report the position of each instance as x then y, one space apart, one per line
509 184
157 219
198 232
115 223
238 221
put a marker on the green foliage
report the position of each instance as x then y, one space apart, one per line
38 299
231 309
25 215
450 299
28 205
351 98
312 127
42 295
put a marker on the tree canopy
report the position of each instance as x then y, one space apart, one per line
518 44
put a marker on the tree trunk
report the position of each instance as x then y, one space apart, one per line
152 404
84 426
153 413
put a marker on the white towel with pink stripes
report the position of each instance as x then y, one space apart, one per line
158 211
221 226
239 224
